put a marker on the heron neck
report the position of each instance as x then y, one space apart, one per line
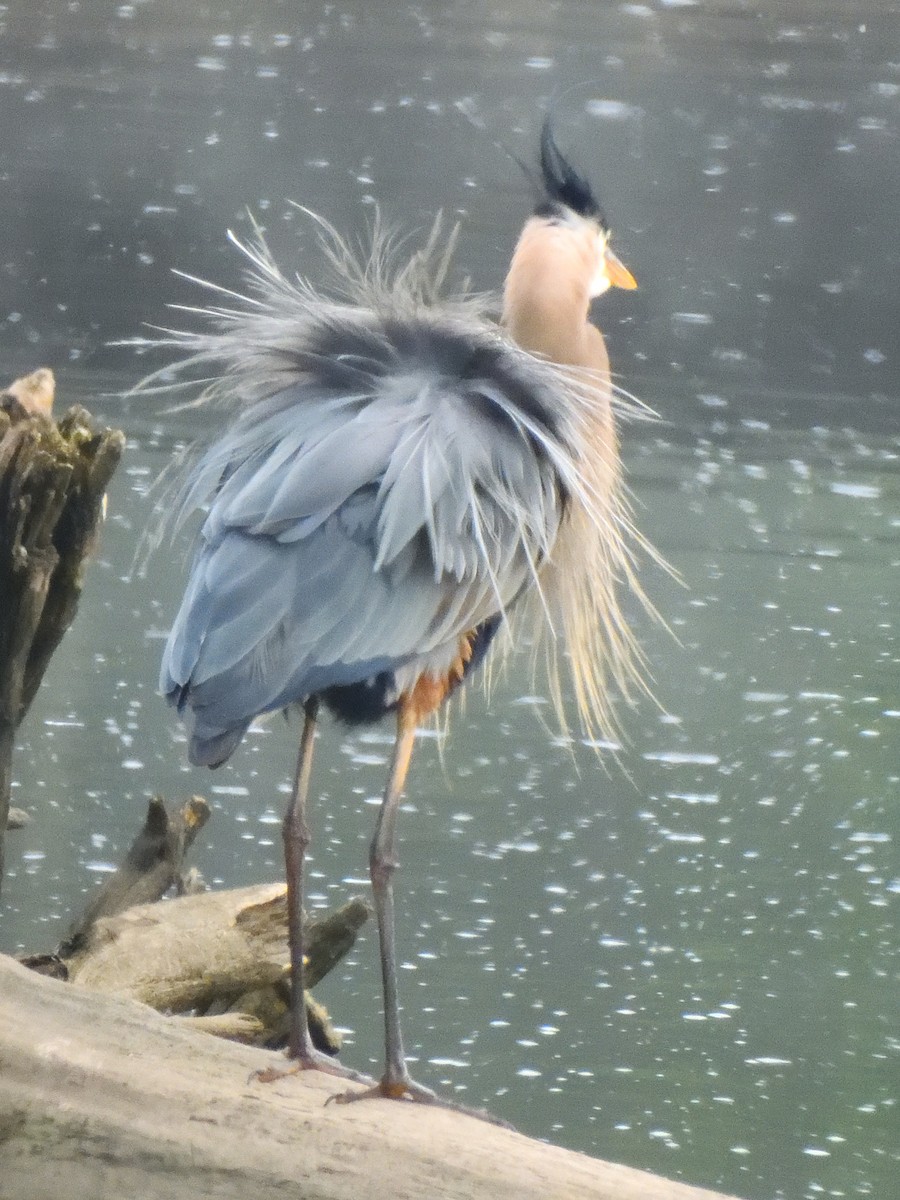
546 295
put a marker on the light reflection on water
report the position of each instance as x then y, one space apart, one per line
681 958
690 943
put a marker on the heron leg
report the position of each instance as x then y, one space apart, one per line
396 1083
383 862
296 836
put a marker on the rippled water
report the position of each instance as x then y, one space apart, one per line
684 957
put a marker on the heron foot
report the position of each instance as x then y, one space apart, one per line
312 1060
407 1089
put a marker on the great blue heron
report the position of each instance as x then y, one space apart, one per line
402 473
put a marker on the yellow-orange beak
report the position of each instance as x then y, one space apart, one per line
617 273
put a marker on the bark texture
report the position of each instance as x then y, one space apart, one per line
53 480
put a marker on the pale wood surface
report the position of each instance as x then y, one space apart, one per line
102 1097
188 952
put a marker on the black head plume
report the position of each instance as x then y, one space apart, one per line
563 184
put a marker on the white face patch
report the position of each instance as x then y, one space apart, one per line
600 280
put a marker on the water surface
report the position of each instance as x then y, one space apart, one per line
683 956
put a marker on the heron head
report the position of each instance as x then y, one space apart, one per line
569 200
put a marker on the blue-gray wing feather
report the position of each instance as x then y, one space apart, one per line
348 535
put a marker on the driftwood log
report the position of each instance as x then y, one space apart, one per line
53 480
219 956
103 1097
218 960
187 953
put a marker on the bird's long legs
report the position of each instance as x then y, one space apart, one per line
396 1082
296 837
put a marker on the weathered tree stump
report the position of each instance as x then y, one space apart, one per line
53 480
